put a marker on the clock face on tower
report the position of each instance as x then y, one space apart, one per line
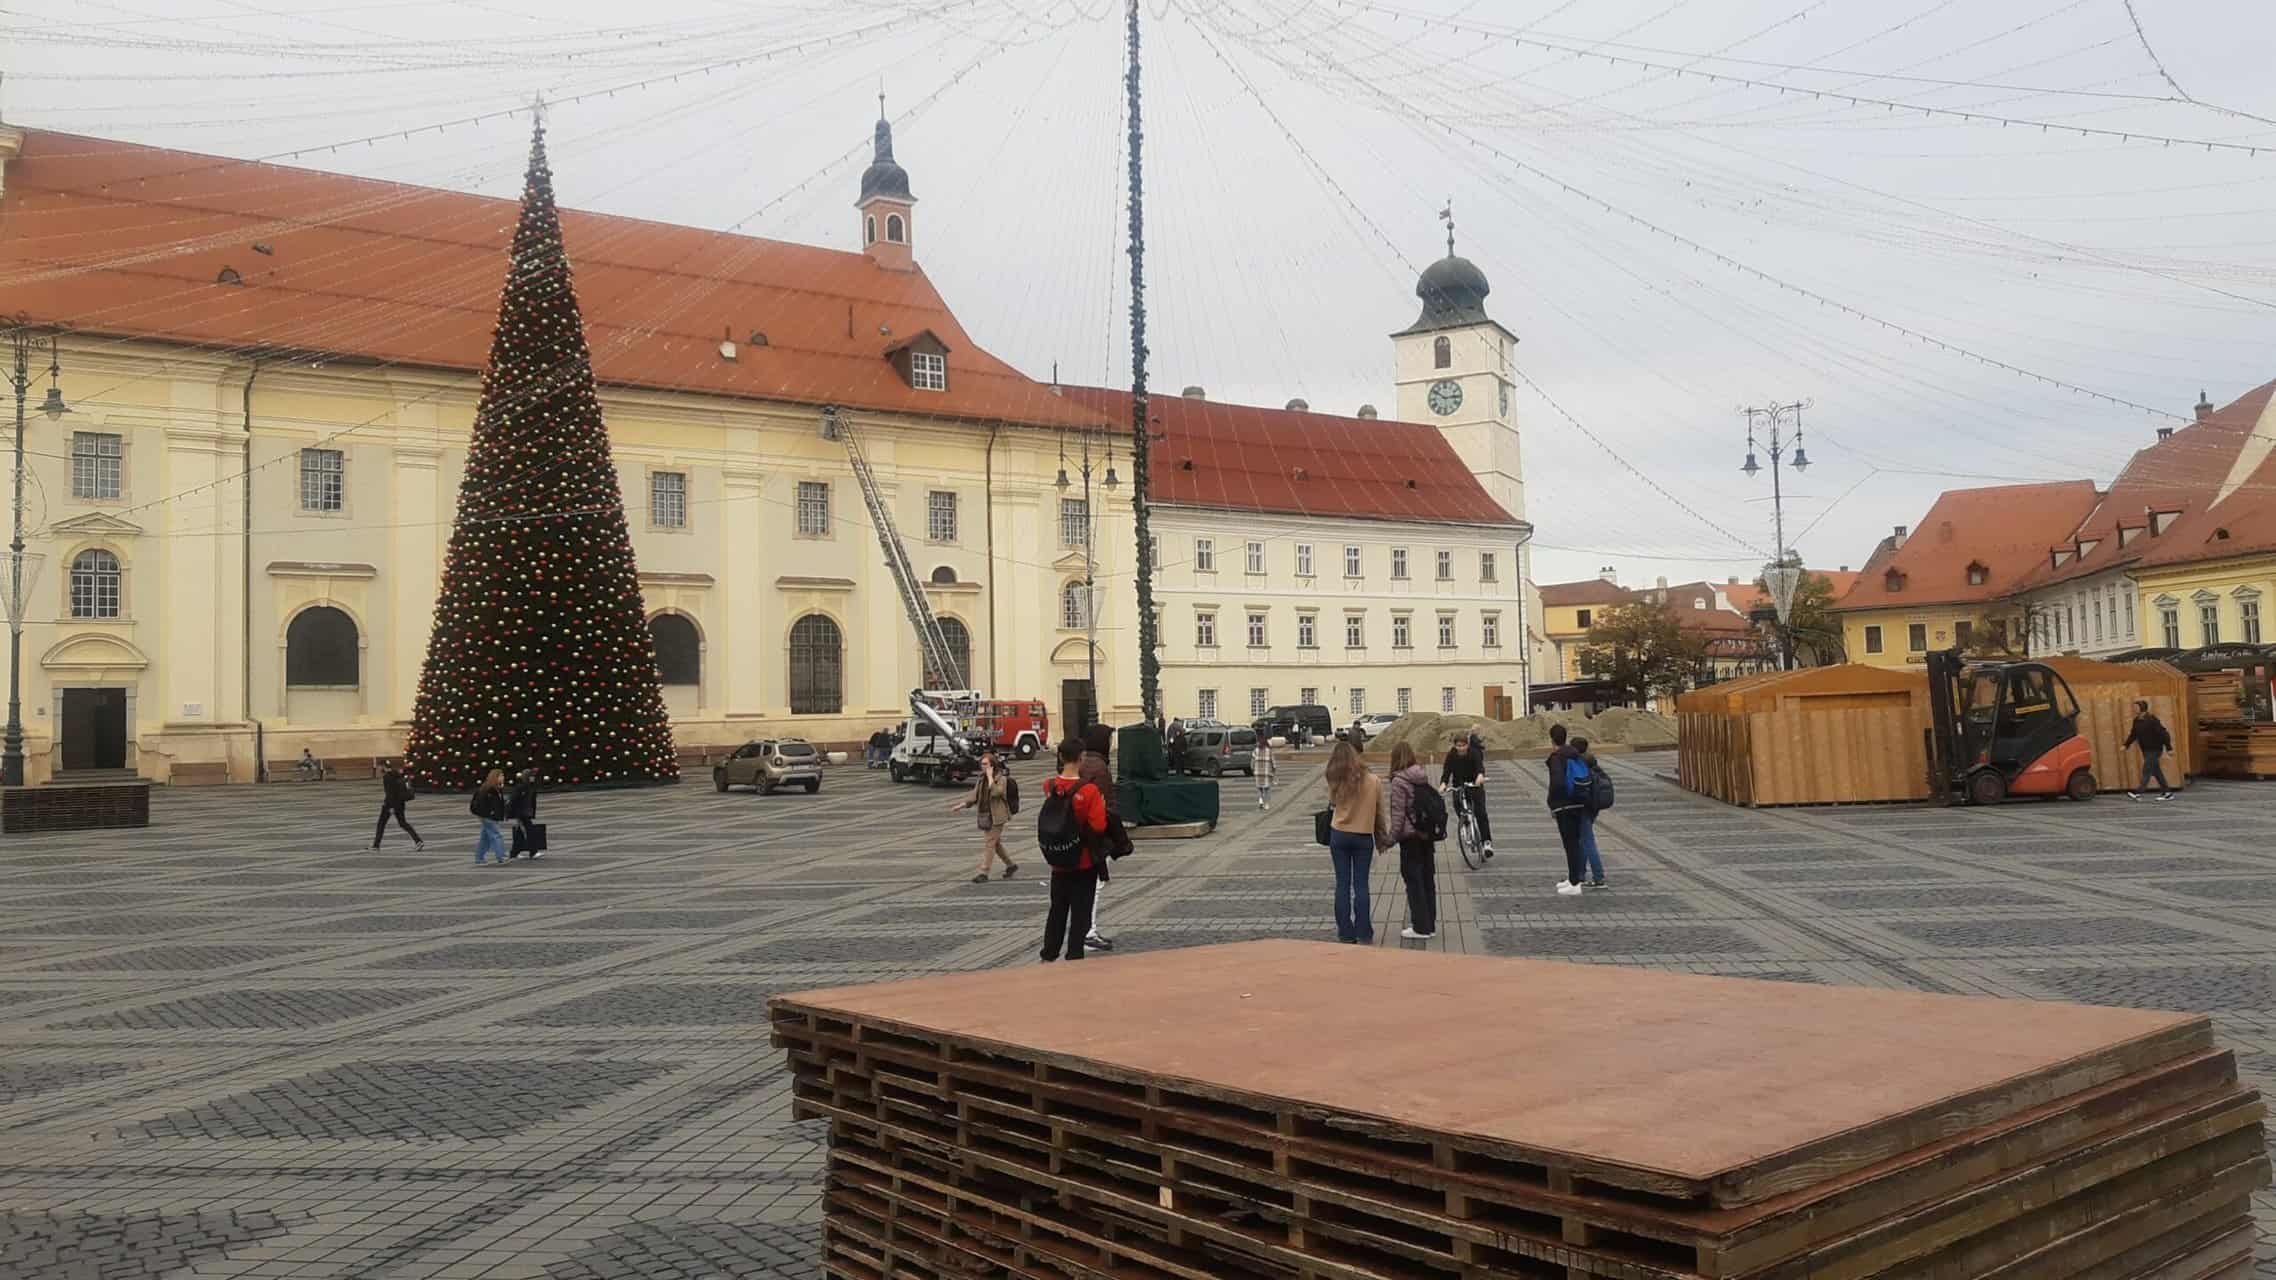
1445 396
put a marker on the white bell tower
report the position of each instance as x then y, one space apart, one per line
1455 370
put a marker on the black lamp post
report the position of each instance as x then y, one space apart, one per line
23 341
1090 568
1782 575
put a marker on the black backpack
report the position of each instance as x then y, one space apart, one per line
1599 796
1426 811
1058 830
1011 794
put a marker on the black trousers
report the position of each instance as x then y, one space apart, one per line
394 808
1418 866
1569 835
1072 895
1477 794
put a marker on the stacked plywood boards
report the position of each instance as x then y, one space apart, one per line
1854 734
1304 1111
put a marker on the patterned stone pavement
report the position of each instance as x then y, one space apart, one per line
236 1044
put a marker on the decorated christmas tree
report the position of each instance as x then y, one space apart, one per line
540 656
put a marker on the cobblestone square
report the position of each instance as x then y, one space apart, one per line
239 1044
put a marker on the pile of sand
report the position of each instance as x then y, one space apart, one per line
1431 734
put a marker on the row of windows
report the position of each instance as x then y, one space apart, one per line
2209 622
1258 631
1916 635
1354 561
1206 701
98 465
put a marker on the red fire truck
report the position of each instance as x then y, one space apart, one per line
1021 726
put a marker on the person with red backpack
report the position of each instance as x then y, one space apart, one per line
1070 826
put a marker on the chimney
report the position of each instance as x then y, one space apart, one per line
1606 574
1297 405
2204 409
1367 411
1732 581
1900 538
1194 393
1843 569
2166 433
1663 582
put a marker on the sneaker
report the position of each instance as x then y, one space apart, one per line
1097 943
1010 869
2134 796
1568 890
419 845
982 878
1598 884
536 855
1563 885
375 848
1412 934
1487 848
2165 795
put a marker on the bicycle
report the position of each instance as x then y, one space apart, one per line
1465 824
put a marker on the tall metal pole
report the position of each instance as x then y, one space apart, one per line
1090 589
1776 415
12 747
1149 661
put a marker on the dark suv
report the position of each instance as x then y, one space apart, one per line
1284 722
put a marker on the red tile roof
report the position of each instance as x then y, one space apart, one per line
125 240
2244 521
1586 591
1246 458
1746 596
2004 528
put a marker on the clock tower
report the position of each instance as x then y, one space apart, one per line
1455 371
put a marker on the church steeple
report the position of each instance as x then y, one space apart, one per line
887 227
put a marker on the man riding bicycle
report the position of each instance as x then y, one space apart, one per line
1465 768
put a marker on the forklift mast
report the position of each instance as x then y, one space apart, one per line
1945 748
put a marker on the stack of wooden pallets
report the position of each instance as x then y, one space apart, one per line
1303 1111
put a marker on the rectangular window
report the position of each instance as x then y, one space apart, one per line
1307 633
1075 524
1354 631
668 499
1351 562
323 480
814 508
2170 620
940 516
1256 631
1916 637
1446 699
1308 695
928 371
1485 566
1256 557
1406 701
1398 563
2128 597
1963 631
1205 630
2248 612
1580 619
1446 566
1204 555
1259 699
1205 702
96 458
1303 559
2209 622
1490 630
2098 603
1359 702
1401 637
1873 639
1446 631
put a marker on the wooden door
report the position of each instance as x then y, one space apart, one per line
94 729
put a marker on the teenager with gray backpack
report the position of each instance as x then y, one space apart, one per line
1418 823
1589 792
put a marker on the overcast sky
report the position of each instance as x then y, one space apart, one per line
1654 240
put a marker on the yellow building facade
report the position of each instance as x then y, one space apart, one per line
2223 601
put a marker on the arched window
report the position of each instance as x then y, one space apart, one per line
944 576
95 584
679 650
817 667
1442 353
322 650
959 641
869 228
1074 606
893 228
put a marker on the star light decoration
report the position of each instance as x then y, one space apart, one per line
540 656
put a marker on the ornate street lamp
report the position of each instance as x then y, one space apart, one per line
1783 575
22 569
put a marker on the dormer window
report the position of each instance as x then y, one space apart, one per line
2087 546
1978 574
1893 581
2127 534
2160 521
927 371
2062 556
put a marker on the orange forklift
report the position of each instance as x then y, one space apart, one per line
2001 729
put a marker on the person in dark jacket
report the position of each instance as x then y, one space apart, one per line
1072 887
1465 767
1098 739
2149 733
1580 767
521 806
1418 849
1561 808
394 793
489 804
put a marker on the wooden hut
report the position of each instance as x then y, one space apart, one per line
1855 734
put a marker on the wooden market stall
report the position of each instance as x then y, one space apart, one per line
1854 734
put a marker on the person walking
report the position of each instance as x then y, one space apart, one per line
1418 848
880 750
2149 733
394 793
489 804
1069 826
1356 829
1356 735
991 795
1465 767
1098 739
521 806
1560 810
1580 790
1267 772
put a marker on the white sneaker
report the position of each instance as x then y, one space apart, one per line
1411 935
1569 890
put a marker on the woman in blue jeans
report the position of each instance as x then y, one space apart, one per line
1578 765
1356 829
